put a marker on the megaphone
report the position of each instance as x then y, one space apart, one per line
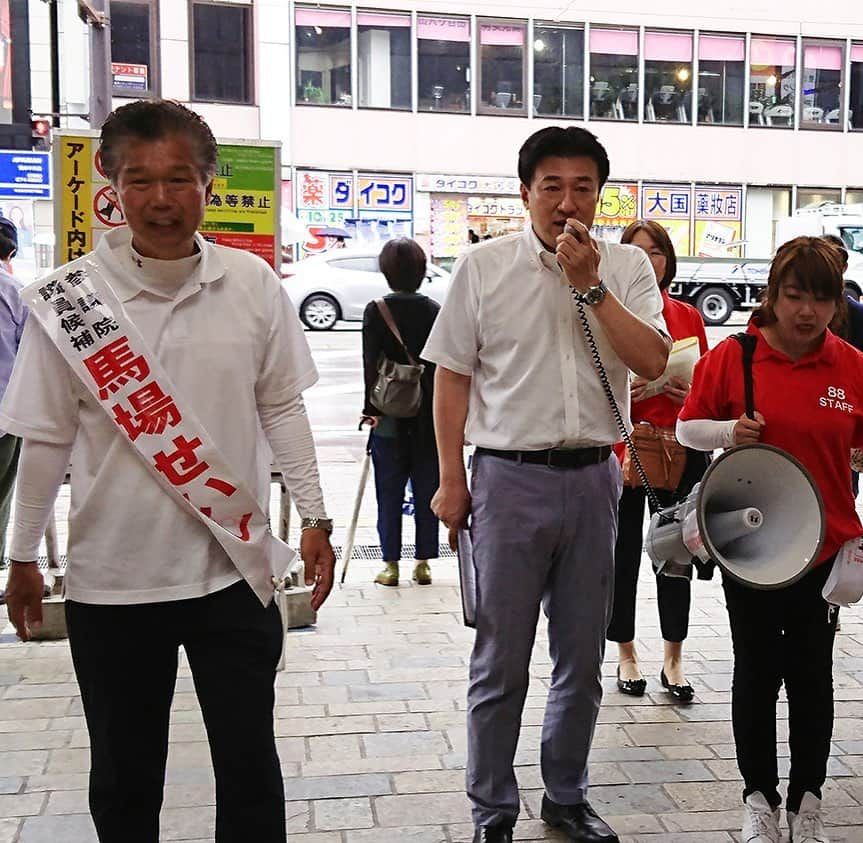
757 513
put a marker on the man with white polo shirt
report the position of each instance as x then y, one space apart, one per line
165 369
516 377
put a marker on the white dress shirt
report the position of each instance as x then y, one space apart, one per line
231 342
510 323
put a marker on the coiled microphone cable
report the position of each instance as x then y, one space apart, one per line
609 394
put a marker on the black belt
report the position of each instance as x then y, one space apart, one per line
554 457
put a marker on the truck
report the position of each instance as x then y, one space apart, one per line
719 286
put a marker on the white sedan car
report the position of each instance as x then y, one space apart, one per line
340 283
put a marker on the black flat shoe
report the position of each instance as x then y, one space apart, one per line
683 693
579 822
631 687
493 834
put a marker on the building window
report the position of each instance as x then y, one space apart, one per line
443 57
765 206
808 197
222 52
558 71
384 60
6 94
668 77
855 105
614 74
771 82
821 84
323 39
134 64
721 67
854 196
502 67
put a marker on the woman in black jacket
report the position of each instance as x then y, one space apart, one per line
402 449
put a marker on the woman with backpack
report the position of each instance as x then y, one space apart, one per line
403 449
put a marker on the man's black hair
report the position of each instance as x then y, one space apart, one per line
555 141
152 120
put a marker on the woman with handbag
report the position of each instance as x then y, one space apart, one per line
807 401
403 447
673 474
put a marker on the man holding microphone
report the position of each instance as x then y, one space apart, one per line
515 343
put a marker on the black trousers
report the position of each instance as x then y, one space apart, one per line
673 593
782 635
125 659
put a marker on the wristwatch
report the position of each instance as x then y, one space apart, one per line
325 524
593 295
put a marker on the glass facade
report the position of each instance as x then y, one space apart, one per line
502 60
323 45
221 38
855 104
133 63
821 84
721 71
614 73
772 64
558 71
443 64
668 77
384 60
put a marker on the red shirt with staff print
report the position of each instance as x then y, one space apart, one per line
812 407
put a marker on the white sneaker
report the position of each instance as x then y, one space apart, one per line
760 821
806 825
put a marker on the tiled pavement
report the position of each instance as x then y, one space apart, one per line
370 724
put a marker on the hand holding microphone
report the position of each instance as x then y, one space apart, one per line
578 255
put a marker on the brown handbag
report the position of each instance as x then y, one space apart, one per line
661 455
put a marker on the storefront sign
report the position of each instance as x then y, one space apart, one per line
246 197
78 180
485 206
384 194
617 208
671 206
24 175
129 77
339 210
443 29
243 210
449 226
440 183
718 221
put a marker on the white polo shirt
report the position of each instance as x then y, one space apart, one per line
230 341
510 323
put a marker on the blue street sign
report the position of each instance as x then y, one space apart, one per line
24 175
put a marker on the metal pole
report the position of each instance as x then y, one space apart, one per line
54 27
95 14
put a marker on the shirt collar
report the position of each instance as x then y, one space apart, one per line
114 245
825 354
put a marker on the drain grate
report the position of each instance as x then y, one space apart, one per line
42 562
370 552
373 551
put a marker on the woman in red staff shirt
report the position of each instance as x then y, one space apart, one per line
808 389
673 593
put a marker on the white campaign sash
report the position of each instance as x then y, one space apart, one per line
89 325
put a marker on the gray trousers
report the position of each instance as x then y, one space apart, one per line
540 535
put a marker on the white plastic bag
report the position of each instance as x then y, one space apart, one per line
844 586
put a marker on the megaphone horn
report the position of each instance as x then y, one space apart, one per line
756 512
